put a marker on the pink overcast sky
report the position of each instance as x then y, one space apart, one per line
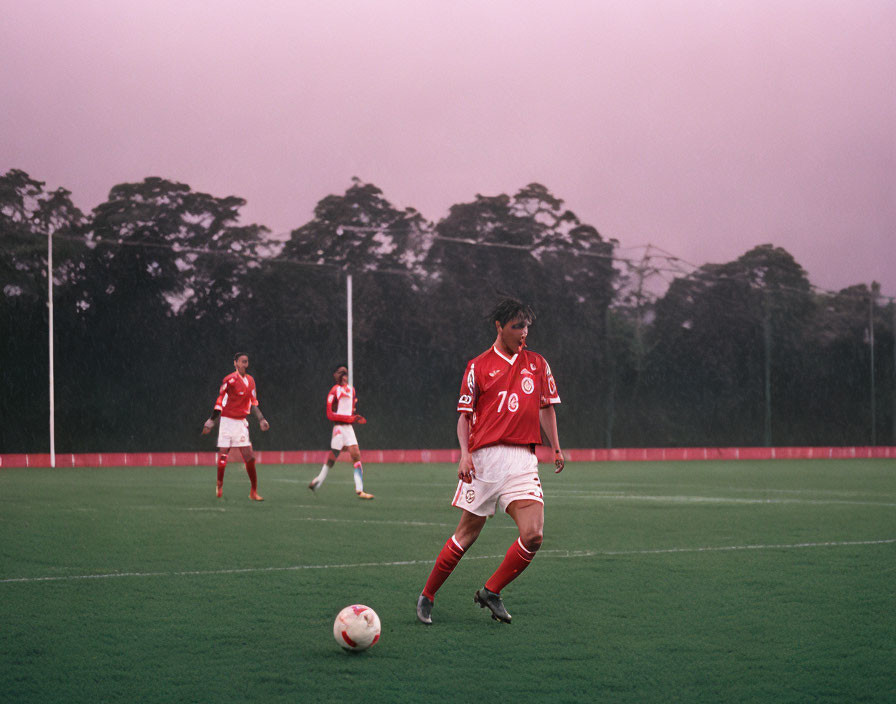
702 127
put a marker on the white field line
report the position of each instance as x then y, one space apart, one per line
404 563
607 487
614 496
165 507
364 520
719 548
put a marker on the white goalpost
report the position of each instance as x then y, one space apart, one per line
348 306
52 377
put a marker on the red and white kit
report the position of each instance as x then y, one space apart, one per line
237 396
504 396
341 404
235 401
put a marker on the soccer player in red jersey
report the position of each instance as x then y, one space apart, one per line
341 410
506 398
235 401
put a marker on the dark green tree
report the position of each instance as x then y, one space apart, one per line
29 215
726 341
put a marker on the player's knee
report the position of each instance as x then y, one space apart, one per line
532 541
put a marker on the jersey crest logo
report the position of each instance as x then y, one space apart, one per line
513 403
528 385
470 496
532 366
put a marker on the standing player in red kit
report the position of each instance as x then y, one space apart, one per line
235 400
506 398
342 412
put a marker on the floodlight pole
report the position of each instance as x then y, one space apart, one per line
767 366
893 415
50 326
348 307
871 298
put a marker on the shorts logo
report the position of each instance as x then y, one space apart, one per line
513 403
470 496
528 385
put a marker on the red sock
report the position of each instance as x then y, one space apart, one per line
445 563
253 476
515 561
222 463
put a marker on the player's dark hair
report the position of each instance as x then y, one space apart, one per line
238 355
340 366
511 309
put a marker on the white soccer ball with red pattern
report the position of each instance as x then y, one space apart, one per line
357 627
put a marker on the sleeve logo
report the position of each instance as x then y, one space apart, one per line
465 400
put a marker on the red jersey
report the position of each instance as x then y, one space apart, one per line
505 395
341 402
237 396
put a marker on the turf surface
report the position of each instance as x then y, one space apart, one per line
657 582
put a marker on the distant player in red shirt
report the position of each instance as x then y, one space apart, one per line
236 399
506 398
341 410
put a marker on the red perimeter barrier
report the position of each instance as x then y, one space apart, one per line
649 454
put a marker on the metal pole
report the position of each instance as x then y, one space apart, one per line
348 305
52 378
767 340
893 389
871 344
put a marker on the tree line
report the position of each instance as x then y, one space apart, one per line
158 287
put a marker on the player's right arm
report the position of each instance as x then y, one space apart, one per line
465 469
219 405
210 423
466 404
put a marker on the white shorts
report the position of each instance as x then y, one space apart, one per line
504 474
233 432
343 436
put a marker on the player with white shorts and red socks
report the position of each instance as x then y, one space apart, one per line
507 398
341 410
236 399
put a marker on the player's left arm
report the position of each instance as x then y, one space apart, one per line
262 423
548 419
359 419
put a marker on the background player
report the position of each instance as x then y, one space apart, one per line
341 405
506 394
235 400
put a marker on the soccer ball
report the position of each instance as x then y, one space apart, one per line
357 627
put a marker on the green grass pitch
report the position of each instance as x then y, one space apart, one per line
657 582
